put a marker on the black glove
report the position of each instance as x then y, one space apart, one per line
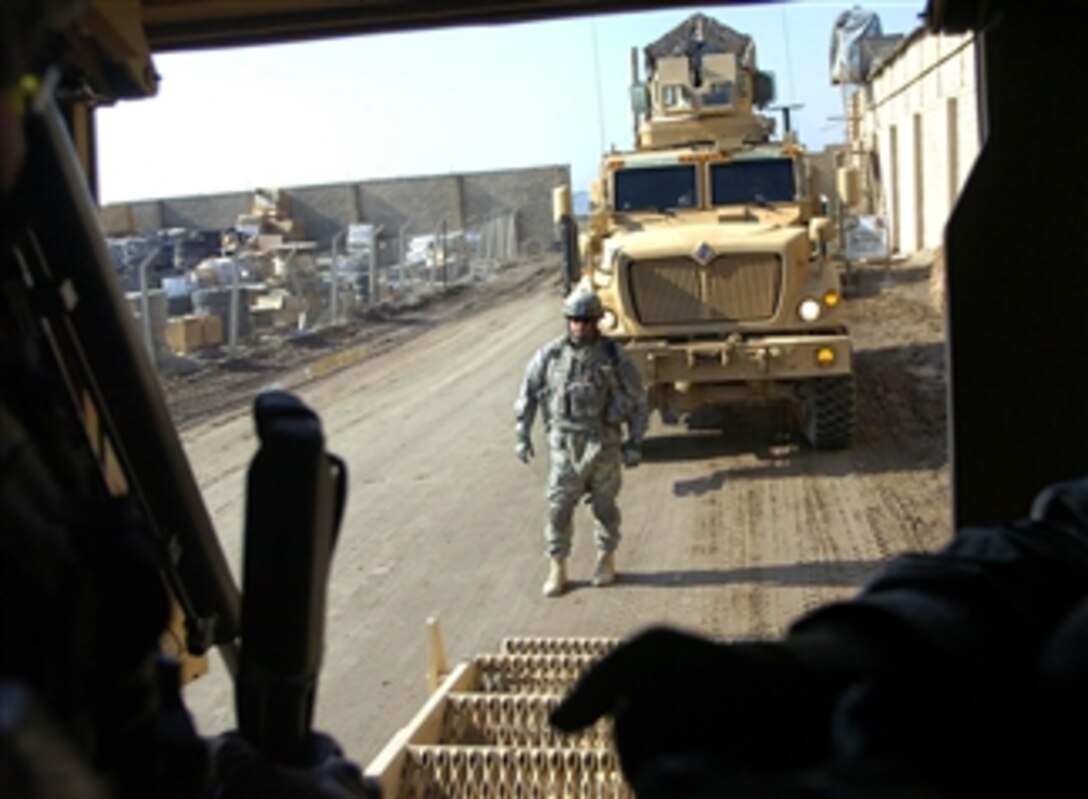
632 454
243 773
719 708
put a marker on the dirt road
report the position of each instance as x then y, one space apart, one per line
730 535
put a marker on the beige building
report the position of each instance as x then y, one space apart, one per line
914 134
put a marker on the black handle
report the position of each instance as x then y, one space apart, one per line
293 509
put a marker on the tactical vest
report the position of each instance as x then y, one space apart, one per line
582 386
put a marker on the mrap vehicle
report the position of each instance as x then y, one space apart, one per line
708 250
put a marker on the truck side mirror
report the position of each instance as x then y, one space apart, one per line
561 203
821 233
596 196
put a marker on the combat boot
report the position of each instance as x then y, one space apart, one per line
556 583
605 573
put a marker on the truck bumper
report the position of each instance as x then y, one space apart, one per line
736 360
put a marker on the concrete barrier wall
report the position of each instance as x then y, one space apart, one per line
420 205
147 216
322 211
527 193
205 213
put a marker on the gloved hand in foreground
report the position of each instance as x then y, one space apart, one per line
243 773
632 454
719 708
524 450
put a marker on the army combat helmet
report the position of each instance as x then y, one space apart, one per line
583 304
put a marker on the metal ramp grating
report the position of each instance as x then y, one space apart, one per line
485 731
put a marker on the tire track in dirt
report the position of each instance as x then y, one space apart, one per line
840 515
826 518
756 601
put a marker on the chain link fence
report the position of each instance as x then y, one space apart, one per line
223 304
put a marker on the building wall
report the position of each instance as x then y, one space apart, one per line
920 122
414 205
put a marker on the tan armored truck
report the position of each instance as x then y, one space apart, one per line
706 249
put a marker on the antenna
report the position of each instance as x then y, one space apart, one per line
597 81
789 59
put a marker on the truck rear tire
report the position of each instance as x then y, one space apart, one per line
830 411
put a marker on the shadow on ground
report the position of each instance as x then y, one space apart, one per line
832 574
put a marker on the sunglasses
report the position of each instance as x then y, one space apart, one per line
582 320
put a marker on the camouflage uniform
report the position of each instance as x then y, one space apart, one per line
585 393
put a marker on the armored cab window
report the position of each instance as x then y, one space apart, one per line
719 95
720 73
753 180
676 97
655 188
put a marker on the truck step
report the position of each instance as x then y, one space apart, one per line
499 772
530 674
506 720
484 731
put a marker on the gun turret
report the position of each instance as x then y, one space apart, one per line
702 85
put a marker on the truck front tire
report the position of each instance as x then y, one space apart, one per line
829 414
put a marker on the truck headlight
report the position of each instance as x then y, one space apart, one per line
809 310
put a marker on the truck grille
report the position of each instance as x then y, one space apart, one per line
731 288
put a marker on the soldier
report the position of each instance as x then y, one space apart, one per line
587 388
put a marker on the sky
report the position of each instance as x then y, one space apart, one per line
437 102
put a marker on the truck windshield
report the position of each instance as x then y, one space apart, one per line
763 179
655 188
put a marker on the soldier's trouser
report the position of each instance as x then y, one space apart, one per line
581 465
